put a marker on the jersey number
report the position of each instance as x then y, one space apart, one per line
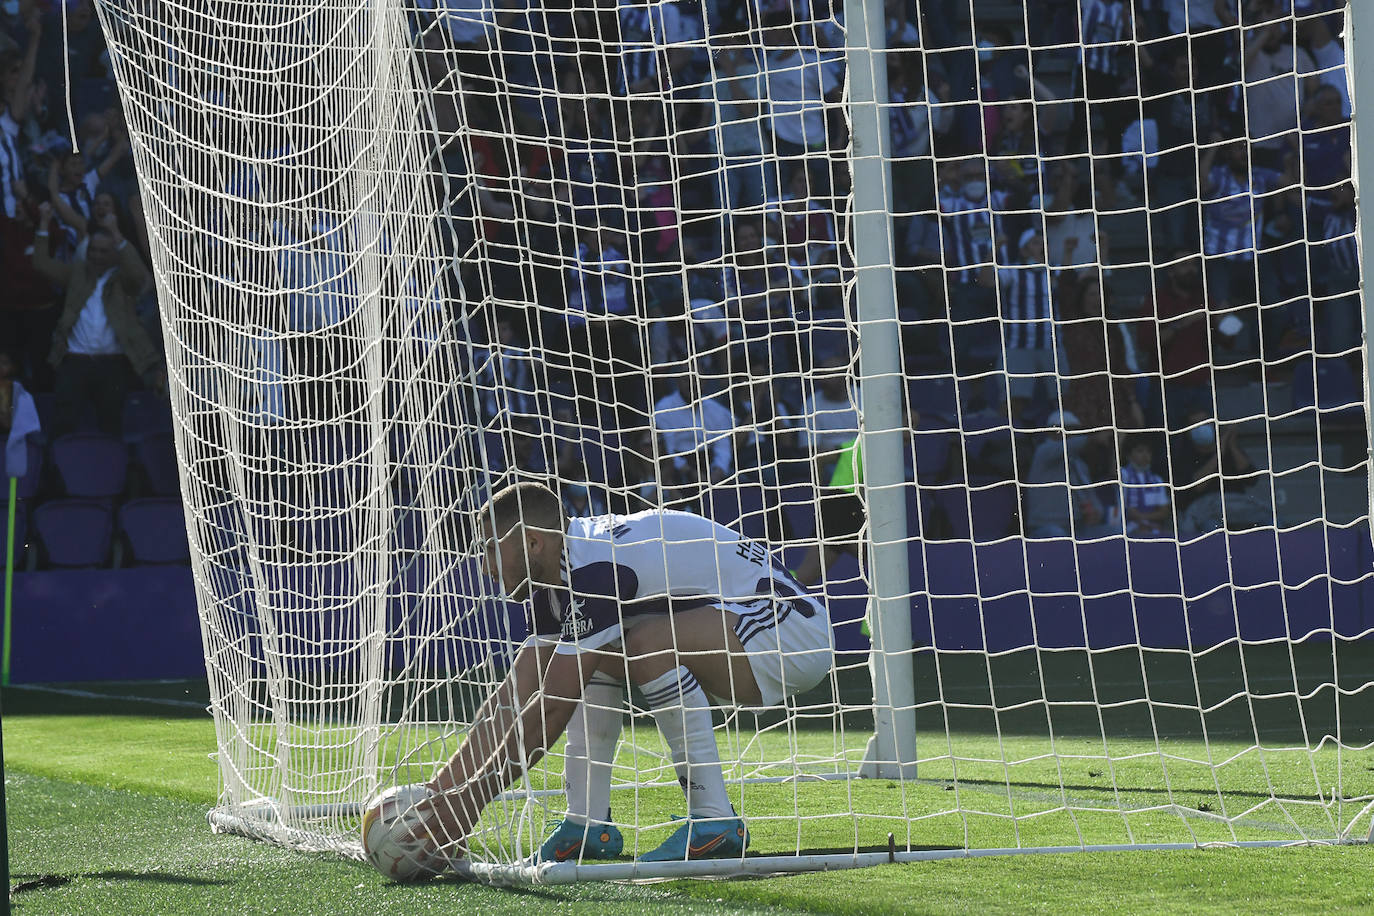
788 594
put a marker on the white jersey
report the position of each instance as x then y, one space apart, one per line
619 568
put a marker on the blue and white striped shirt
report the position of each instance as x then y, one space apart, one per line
1142 489
1104 28
11 166
1230 213
967 229
1338 231
1027 309
647 28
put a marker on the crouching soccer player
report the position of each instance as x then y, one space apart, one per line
680 606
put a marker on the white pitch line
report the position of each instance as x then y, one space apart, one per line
127 698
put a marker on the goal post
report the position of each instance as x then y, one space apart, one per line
1360 28
1033 342
891 753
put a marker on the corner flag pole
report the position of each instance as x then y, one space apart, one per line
4 682
9 585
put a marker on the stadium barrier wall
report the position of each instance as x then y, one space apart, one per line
141 623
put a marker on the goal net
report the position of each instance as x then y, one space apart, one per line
1028 334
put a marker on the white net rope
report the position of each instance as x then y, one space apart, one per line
407 254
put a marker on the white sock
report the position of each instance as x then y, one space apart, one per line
683 715
593 734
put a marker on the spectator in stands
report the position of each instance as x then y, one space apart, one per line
1003 65
1232 192
1184 327
1273 95
1106 74
741 100
72 46
767 434
507 380
695 436
1018 144
98 337
1027 318
765 295
72 187
1060 498
1145 501
806 229
1325 148
1216 484
966 227
1180 117
1070 224
1211 25
656 43
1336 276
580 501
1099 391
1317 34
16 95
831 414
798 88
918 113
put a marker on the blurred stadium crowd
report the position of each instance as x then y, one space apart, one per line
1123 239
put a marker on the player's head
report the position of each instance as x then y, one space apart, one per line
522 537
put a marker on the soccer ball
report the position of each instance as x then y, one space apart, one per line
388 821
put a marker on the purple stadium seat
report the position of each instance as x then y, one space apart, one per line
93 466
75 532
989 511
158 455
936 399
146 414
932 450
738 507
156 530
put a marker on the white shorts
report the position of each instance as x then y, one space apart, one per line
789 652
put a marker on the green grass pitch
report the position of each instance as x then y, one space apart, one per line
107 800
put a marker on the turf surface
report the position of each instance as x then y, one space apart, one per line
107 804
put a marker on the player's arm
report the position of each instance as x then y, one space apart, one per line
511 732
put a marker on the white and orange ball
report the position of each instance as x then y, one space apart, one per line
395 839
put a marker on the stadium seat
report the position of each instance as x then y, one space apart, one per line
937 400
146 414
1331 388
92 465
932 449
985 513
157 454
74 532
740 507
155 530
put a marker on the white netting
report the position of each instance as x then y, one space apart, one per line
407 254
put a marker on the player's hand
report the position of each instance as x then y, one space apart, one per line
44 214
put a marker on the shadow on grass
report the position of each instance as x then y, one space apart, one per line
1106 787
41 882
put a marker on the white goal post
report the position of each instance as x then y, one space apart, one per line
1033 343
